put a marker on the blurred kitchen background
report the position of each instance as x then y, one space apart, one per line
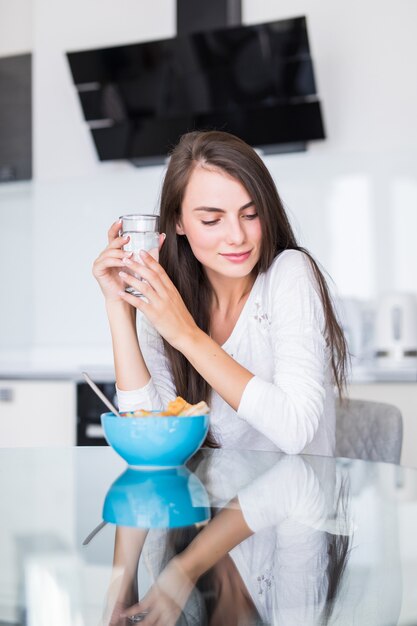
352 197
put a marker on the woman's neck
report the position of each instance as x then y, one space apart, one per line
228 293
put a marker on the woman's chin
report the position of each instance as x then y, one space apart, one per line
235 271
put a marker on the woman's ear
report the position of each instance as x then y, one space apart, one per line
179 229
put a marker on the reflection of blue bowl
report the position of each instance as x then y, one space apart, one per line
168 498
155 442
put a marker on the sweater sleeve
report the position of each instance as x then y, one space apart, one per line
288 409
289 490
160 389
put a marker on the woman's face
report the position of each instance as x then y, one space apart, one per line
221 223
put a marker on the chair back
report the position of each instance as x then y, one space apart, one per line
372 431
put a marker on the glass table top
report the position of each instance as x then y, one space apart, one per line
233 538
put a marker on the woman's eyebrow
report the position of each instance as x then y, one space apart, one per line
212 209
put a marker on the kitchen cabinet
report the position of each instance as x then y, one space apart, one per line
37 413
404 396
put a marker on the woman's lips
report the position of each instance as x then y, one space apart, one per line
239 257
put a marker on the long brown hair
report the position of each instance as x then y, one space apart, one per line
230 154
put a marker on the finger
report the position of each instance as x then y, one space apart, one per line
119 241
150 262
109 253
136 609
102 265
139 303
114 230
143 287
147 293
138 267
144 272
105 263
151 619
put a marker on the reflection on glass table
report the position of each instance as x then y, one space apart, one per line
167 498
236 538
284 526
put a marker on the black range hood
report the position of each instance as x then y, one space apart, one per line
254 81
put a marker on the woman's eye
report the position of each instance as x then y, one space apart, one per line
250 216
210 223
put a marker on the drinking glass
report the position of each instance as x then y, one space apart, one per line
143 231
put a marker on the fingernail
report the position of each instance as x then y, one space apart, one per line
127 260
143 254
122 274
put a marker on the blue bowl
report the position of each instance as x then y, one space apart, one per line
170 498
155 442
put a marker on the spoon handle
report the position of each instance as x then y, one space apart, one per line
93 533
101 395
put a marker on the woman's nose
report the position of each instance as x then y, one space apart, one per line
236 234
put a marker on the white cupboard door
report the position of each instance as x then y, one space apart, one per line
37 413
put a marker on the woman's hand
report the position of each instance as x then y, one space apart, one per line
165 600
107 266
162 305
118 602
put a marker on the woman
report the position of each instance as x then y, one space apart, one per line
235 312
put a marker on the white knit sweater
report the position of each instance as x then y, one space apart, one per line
289 403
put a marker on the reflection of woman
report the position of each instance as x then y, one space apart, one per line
275 555
236 313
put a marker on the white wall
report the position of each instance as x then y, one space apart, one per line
16 29
352 198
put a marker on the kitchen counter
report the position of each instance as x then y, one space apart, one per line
69 365
372 373
42 372
56 364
